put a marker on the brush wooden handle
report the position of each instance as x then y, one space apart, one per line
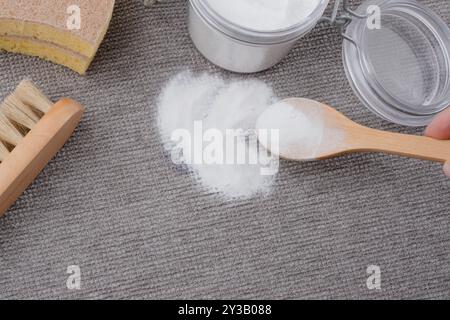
412 146
36 149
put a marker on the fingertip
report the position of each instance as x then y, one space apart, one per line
439 128
429 131
447 169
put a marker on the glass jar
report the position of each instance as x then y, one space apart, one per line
401 70
240 49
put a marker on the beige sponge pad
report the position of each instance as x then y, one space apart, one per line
45 50
48 21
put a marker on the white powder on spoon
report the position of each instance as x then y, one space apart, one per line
300 133
304 135
264 15
222 105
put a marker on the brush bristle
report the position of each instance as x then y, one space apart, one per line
4 152
32 96
19 113
8 132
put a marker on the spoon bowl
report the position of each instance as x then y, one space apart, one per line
310 130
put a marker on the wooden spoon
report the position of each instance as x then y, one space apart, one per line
309 130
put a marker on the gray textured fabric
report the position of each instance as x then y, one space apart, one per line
138 227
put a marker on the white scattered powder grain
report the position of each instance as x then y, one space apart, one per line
219 104
264 15
303 133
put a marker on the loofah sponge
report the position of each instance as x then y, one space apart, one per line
43 28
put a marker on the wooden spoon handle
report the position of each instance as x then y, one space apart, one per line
412 146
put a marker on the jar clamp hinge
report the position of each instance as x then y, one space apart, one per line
343 20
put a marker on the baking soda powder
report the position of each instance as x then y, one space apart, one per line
264 15
303 134
197 111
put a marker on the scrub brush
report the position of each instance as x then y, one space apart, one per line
32 130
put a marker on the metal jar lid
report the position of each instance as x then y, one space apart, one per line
400 69
253 36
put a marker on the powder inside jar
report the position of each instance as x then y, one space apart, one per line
264 15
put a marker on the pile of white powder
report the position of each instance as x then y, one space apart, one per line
264 15
242 104
219 104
